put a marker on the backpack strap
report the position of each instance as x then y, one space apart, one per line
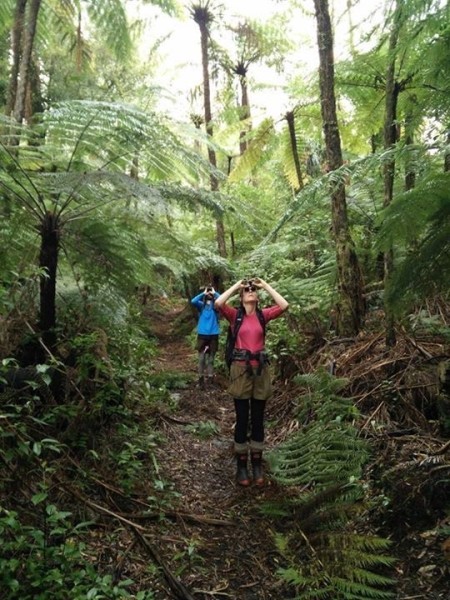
262 321
240 317
238 322
261 357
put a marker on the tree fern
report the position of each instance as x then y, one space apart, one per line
250 159
419 222
78 168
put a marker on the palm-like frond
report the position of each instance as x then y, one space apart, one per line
110 18
418 221
103 134
328 450
249 160
6 15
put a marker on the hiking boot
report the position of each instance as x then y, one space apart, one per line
201 382
257 468
242 473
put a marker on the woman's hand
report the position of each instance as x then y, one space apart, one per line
259 283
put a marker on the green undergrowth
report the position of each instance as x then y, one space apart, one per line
77 447
326 548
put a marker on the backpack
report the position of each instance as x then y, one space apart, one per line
232 332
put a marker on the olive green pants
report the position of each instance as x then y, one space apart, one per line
242 385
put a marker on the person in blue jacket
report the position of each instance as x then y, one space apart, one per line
208 330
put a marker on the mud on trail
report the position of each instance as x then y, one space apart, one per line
219 543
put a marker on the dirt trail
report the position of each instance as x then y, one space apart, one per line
222 540
222 543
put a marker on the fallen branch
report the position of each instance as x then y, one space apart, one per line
179 589
176 586
178 515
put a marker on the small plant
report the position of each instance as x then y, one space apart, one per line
189 556
170 380
203 429
48 563
129 461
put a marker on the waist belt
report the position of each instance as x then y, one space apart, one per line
247 356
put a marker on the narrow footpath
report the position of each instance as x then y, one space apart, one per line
221 544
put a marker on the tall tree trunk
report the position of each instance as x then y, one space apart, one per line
202 18
48 262
16 44
350 308
244 115
290 118
28 35
390 139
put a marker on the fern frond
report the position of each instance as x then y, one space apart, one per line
410 213
420 217
110 20
114 254
249 160
328 449
335 564
326 558
102 134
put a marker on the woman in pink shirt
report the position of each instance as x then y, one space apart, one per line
250 380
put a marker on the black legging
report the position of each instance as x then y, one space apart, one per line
246 410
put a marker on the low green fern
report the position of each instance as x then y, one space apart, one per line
327 450
325 554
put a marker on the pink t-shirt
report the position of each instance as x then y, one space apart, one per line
250 335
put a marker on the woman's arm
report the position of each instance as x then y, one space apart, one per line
226 295
278 298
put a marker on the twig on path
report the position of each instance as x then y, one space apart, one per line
181 591
214 592
203 519
442 450
175 420
176 586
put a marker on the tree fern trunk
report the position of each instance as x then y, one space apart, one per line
350 307
410 168
290 118
390 138
245 111
48 262
447 155
202 17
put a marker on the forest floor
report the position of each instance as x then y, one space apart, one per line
218 539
